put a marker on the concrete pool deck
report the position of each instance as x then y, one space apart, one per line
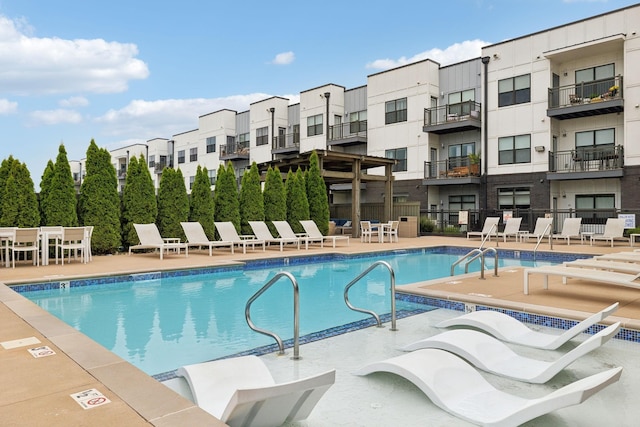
36 391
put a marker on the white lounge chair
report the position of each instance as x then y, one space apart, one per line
314 233
458 388
490 226
150 238
570 228
228 233
262 232
511 229
241 392
598 264
492 355
543 228
285 231
620 256
196 237
506 328
600 276
613 230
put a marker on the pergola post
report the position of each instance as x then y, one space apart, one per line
388 193
355 202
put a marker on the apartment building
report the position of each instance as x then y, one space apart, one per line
544 121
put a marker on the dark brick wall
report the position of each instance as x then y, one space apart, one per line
630 188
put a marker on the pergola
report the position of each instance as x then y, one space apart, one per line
341 168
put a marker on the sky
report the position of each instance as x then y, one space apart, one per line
124 72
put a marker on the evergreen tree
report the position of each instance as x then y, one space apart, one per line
173 204
226 196
317 195
60 204
251 202
139 204
99 201
275 199
45 185
5 170
201 204
297 203
20 204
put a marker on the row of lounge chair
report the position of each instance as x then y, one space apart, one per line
150 237
241 391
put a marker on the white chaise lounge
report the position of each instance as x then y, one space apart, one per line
458 388
492 355
285 231
613 231
511 229
150 238
262 232
228 233
242 393
597 264
196 237
490 226
313 232
506 328
570 228
601 276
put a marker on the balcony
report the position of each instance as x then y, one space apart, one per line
352 133
159 167
452 118
285 144
582 163
235 151
453 171
586 99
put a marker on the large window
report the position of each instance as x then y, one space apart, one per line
262 136
594 81
459 154
212 176
593 208
460 203
596 138
211 144
152 161
514 149
181 156
395 111
193 154
192 179
314 125
514 90
400 154
514 198
460 102
358 121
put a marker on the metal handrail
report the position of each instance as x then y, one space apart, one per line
474 255
542 236
296 314
392 277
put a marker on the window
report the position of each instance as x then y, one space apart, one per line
358 122
593 144
514 198
395 111
594 81
460 102
192 179
211 144
181 156
314 125
593 208
515 90
514 149
459 154
460 203
212 177
193 154
243 138
163 162
262 136
152 161
400 154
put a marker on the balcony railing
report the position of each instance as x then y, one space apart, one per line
587 159
159 167
345 132
586 99
469 110
455 167
288 142
234 150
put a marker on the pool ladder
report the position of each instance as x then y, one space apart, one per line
392 278
296 314
474 255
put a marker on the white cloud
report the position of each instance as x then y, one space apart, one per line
31 65
284 58
8 107
54 117
455 53
74 101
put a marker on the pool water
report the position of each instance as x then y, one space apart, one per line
161 324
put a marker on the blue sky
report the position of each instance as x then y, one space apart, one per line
123 72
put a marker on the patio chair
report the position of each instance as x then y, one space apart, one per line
150 238
262 232
367 231
240 391
490 226
49 238
196 237
458 388
72 239
25 240
570 228
390 229
543 228
511 229
228 233
313 232
6 233
613 230
285 230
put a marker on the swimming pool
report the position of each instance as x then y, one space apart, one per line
160 321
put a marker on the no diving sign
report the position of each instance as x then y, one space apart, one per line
90 398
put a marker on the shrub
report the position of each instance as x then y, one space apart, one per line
427 225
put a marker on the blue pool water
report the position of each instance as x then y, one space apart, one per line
159 322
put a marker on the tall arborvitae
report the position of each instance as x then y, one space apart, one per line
297 203
275 199
5 170
99 201
251 202
226 196
139 204
45 185
60 204
317 195
20 204
201 207
173 204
